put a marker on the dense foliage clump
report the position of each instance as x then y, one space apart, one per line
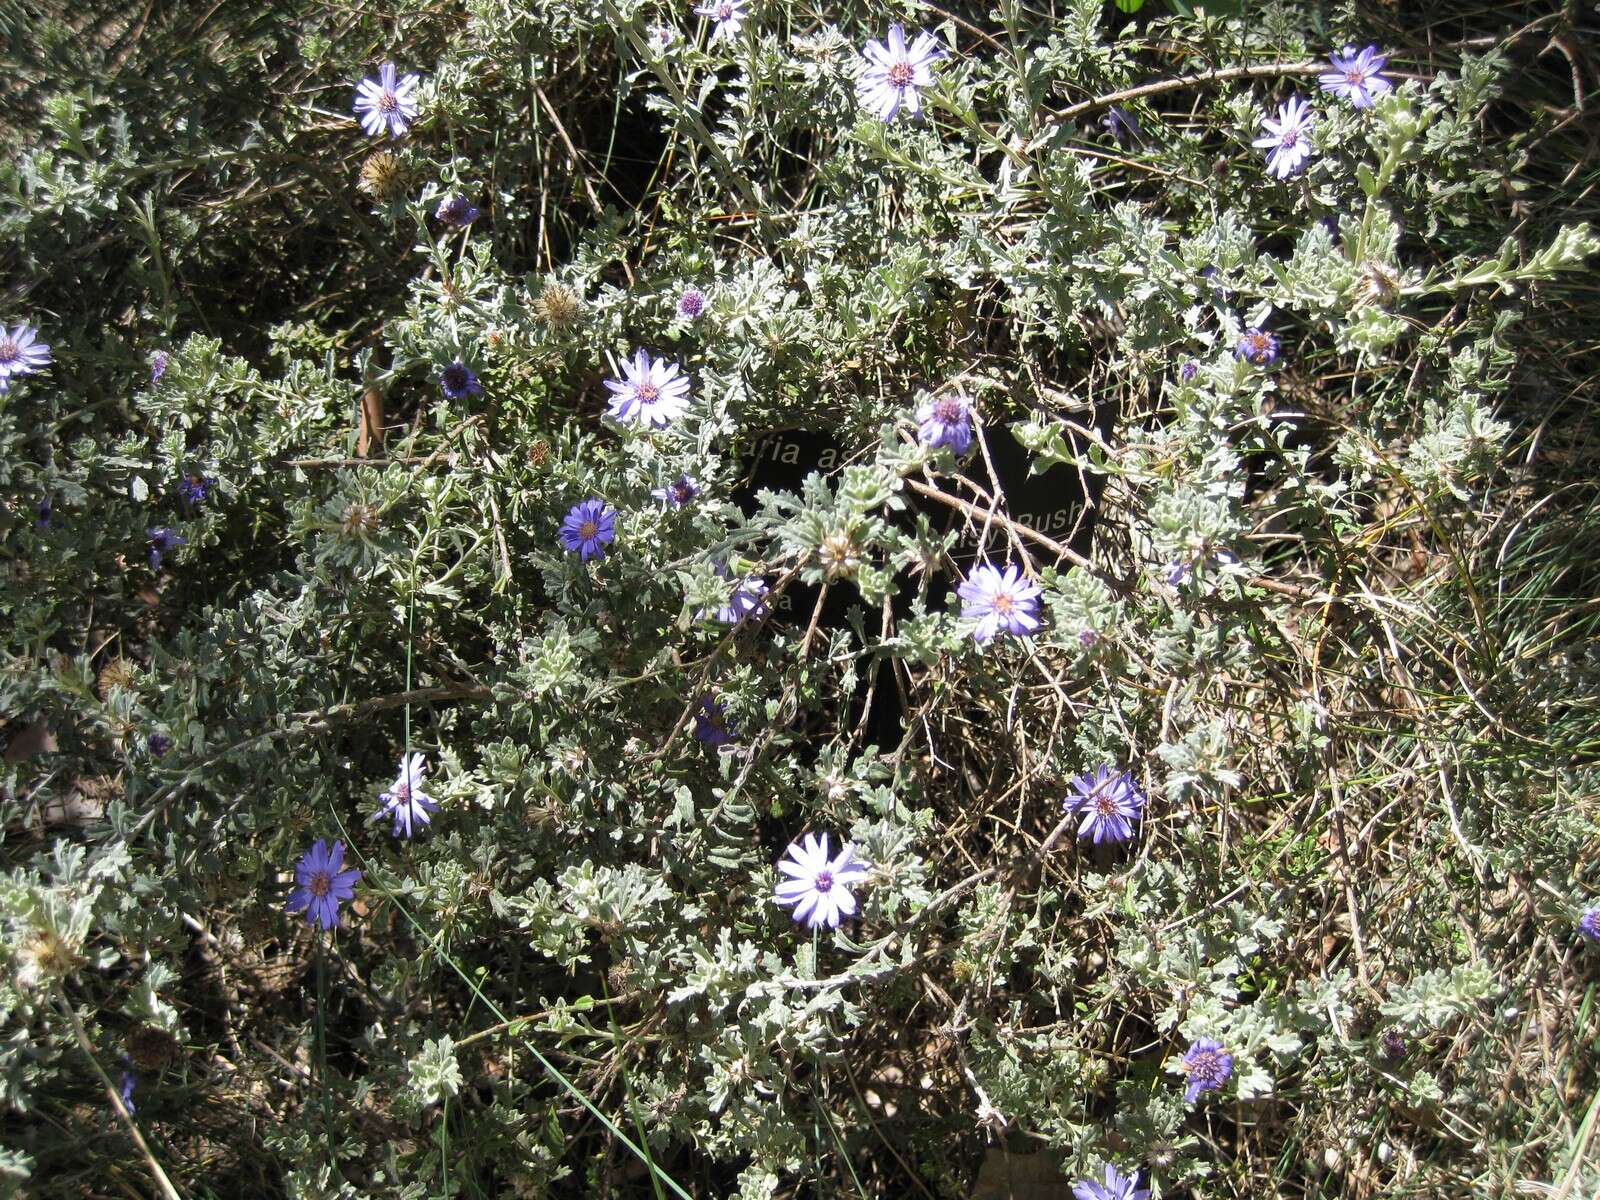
768 601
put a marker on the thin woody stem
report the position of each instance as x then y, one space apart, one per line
304 722
1013 527
165 1184
1259 71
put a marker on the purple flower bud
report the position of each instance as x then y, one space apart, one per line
1394 1045
126 1082
691 304
711 724
1213 276
458 381
1258 347
677 493
946 422
1121 124
457 211
195 489
163 541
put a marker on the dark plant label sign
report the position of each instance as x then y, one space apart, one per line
1051 502
780 462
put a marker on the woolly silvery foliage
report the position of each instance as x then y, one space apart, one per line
1315 703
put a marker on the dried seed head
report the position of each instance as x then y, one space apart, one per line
1162 1153
44 958
118 673
1363 1018
1379 285
550 813
558 306
100 790
539 454
619 979
150 1047
664 1107
360 520
839 555
494 1067
382 176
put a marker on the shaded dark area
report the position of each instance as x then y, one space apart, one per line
1050 502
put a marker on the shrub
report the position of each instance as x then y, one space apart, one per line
1257 448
